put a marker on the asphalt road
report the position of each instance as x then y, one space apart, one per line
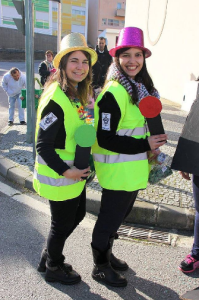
24 225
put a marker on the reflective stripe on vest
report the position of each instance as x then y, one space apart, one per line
40 160
119 171
129 132
52 181
119 158
48 183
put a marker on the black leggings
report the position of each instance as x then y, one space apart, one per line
65 216
115 207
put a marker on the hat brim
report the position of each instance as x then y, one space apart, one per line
147 52
60 54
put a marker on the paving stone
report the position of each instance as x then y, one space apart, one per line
18 175
28 182
5 165
175 217
143 213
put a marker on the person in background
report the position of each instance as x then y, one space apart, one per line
46 66
104 61
12 83
191 261
122 148
60 114
186 161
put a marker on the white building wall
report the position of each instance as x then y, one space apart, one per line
110 35
174 60
86 22
78 28
8 13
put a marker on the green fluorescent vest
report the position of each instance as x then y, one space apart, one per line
116 171
46 182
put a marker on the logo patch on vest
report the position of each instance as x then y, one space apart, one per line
106 121
47 121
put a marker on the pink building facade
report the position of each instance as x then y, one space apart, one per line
103 15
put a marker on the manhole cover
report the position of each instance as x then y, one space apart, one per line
145 234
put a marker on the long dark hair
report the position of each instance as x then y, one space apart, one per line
143 76
84 87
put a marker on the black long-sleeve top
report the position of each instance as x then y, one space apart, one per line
52 138
43 72
108 139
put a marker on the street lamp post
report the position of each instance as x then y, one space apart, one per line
30 84
59 26
30 90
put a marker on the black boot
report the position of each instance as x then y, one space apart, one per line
103 272
42 264
116 263
62 275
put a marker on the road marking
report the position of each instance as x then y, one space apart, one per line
29 201
35 204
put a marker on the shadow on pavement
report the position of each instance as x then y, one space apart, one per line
24 233
137 289
178 119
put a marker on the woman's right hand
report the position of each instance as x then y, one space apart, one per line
156 141
76 174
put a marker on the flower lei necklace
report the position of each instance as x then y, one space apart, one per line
82 111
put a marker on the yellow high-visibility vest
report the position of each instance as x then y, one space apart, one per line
46 182
117 171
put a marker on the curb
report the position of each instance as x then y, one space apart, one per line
158 215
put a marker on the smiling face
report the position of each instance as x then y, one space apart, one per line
77 67
131 61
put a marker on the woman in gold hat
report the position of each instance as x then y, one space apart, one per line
61 111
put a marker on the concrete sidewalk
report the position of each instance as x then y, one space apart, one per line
168 204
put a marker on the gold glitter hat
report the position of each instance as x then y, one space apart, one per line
74 42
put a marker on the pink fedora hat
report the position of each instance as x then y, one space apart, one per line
130 37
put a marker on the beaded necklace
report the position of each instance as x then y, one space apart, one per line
82 111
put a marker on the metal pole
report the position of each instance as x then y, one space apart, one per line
58 26
30 84
33 86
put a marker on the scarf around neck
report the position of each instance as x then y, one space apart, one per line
114 74
49 65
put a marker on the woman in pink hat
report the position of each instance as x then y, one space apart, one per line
120 152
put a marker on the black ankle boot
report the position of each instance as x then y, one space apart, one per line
103 272
62 275
42 264
116 263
